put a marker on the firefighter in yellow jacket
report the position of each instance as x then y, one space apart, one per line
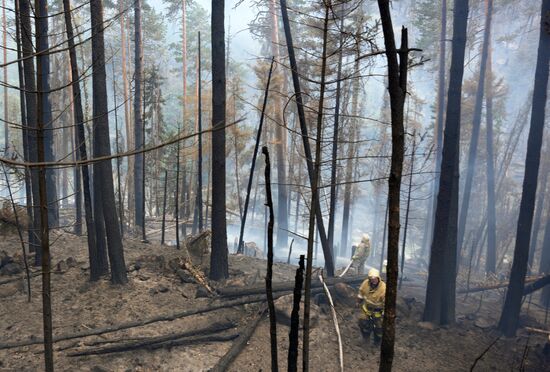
361 254
371 297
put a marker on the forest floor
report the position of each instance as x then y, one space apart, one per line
155 289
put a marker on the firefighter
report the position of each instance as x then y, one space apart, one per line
362 252
371 297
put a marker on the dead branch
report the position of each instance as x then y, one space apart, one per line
140 323
199 276
240 342
335 320
496 286
484 352
153 341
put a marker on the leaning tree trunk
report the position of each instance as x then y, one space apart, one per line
102 144
97 258
476 127
397 80
218 258
314 196
510 312
440 291
329 264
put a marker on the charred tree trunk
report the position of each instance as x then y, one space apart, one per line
305 137
336 129
198 196
218 257
30 100
440 292
104 169
163 226
315 195
282 188
440 121
97 257
490 261
43 86
538 216
139 219
25 124
407 212
351 154
43 116
544 267
269 275
254 156
476 127
397 80
295 318
510 313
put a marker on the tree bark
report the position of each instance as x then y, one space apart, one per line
30 100
97 257
43 86
440 291
476 127
397 81
43 116
510 313
104 169
218 257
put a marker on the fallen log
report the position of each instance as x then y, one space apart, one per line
537 330
11 280
496 286
239 344
151 341
287 286
536 285
140 323
169 344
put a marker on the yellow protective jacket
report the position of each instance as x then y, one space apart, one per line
373 298
362 251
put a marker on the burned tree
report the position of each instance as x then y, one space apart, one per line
440 291
397 88
510 312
